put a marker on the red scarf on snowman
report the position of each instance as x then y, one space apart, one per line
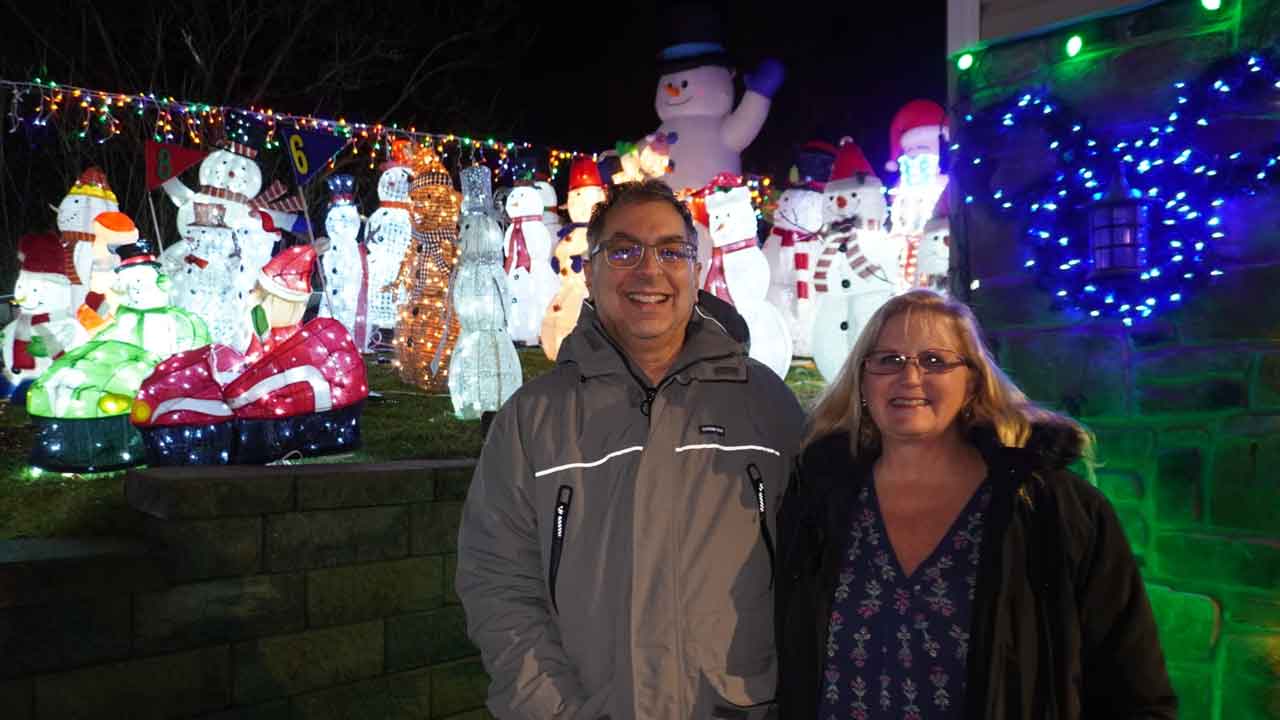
27 324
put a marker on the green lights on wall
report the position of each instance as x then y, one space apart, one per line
1211 5
964 62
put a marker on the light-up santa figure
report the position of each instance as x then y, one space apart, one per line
44 327
88 198
230 176
695 100
793 242
916 136
202 270
485 369
739 272
387 237
528 264
586 190
858 267
280 298
345 290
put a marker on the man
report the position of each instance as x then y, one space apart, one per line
616 555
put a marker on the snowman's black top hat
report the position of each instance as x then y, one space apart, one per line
691 35
134 254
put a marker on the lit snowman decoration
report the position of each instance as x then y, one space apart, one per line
389 233
586 190
528 264
88 198
343 261
44 327
915 149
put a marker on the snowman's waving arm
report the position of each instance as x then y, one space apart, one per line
180 194
741 127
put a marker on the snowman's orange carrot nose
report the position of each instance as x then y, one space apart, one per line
672 90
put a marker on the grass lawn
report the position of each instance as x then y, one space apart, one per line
406 423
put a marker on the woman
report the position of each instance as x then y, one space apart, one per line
937 558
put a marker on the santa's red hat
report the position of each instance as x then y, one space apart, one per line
584 173
41 253
288 275
915 114
400 155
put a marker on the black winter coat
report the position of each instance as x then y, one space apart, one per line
1062 628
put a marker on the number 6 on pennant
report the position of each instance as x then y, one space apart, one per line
299 157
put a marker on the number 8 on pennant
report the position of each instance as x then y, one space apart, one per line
166 161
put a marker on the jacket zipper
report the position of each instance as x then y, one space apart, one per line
757 484
564 496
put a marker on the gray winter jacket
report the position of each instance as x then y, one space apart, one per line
611 559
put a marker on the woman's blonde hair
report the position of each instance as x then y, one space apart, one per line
997 403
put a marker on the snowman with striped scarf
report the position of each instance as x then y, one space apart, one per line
530 279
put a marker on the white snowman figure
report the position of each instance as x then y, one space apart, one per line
528 264
586 190
550 207
933 259
916 135
858 268
740 275
230 176
388 235
202 270
344 260
256 242
485 369
45 326
789 248
88 198
695 100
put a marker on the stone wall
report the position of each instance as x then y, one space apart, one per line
1186 406
313 591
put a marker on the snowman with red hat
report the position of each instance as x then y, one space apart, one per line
916 137
858 266
44 327
388 235
586 191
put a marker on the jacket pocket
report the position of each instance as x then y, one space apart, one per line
739 666
559 526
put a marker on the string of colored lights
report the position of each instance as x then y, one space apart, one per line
1164 181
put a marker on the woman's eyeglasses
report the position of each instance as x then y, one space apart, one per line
930 362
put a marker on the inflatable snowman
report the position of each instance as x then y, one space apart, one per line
202 271
528 264
485 369
230 176
45 326
586 190
858 267
387 237
344 260
739 274
790 247
695 100
88 198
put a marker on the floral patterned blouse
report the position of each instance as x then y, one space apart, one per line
897 644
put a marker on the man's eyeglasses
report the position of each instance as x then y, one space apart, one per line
931 362
629 255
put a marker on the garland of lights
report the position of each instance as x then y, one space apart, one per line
1180 187
97 116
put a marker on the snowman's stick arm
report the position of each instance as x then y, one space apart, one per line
180 194
743 125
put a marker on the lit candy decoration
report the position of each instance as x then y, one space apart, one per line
586 190
344 260
916 136
740 272
304 397
694 99
80 406
202 270
1181 186
44 327
427 328
485 369
88 198
388 235
530 279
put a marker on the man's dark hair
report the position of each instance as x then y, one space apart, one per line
631 194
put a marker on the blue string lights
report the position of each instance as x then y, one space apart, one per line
1127 227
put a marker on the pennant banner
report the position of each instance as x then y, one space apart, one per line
166 161
310 151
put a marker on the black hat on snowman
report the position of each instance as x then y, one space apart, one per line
692 35
243 134
134 255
